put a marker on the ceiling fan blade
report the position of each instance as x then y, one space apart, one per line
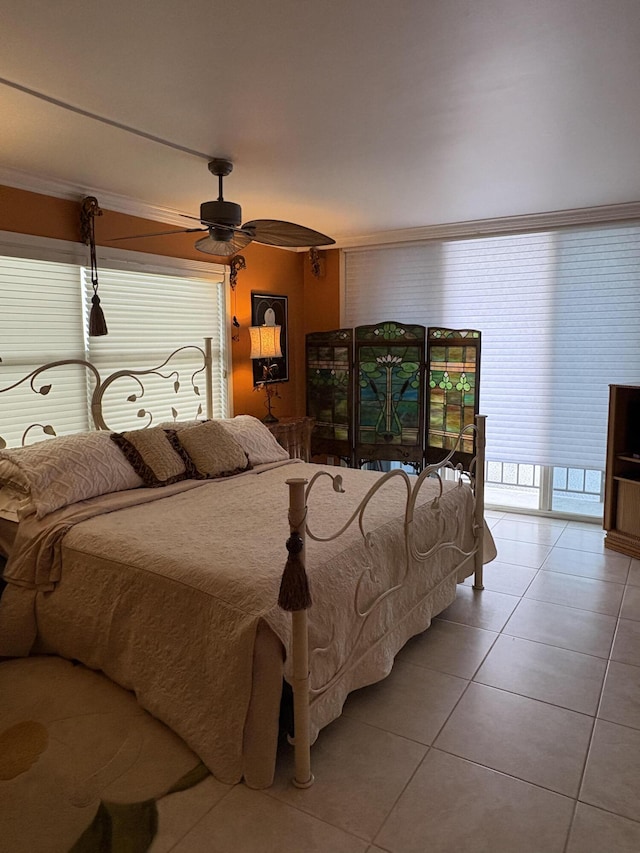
274 232
155 234
223 248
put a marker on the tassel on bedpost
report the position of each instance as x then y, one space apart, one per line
295 597
294 586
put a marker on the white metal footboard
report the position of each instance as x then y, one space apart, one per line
294 589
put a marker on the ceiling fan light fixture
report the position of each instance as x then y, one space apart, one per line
231 243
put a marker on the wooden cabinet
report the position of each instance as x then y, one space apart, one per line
294 434
622 479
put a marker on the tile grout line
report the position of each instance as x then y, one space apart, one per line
593 728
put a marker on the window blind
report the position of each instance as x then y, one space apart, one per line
40 321
44 309
559 313
149 315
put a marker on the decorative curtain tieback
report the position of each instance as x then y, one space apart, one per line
90 209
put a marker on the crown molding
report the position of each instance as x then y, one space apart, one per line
472 228
74 192
626 211
14 244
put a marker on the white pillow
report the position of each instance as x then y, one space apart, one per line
255 439
61 471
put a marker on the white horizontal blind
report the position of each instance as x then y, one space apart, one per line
40 321
559 313
149 315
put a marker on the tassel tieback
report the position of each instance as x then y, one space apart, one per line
294 586
97 323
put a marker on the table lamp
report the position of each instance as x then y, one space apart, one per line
265 346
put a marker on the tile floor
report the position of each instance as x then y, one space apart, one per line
511 726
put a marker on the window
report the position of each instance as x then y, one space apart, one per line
152 308
559 313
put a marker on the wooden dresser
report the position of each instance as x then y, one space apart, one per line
294 434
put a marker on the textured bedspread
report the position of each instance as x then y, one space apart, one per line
166 596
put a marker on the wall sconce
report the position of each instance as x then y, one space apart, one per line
265 346
236 264
316 262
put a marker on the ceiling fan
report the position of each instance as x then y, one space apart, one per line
227 236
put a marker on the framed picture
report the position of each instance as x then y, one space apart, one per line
269 309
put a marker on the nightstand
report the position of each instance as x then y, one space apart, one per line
294 434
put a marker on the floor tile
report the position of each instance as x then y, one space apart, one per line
573 591
511 551
605 567
566 627
634 573
611 779
411 701
595 831
582 540
455 805
480 608
558 676
621 695
531 518
252 822
595 525
354 793
449 647
528 739
631 603
503 577
179 812
527 531
493 515
626 646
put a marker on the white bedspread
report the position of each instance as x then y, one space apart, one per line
166 596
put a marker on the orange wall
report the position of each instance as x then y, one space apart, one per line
313 302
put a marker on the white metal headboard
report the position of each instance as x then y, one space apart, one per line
100 386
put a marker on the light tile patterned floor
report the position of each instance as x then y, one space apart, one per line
511 726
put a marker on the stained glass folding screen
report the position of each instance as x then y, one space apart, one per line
391 391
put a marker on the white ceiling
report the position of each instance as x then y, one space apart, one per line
352 117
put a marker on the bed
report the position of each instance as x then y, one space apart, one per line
178 593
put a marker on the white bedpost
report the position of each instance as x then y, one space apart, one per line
208 363
294 597
479 499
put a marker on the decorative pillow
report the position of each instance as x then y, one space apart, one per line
153 456
212 449
61 471
255 439
180 425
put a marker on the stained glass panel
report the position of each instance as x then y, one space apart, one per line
454 361
389 392
329 357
